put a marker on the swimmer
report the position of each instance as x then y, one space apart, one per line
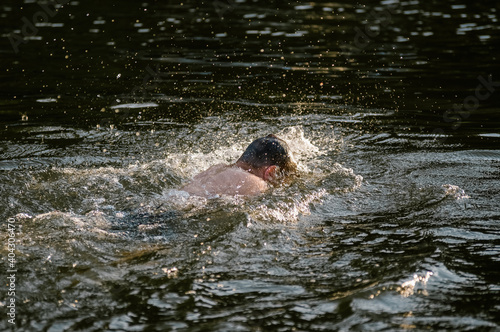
266 160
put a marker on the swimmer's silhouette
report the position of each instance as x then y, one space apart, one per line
266 160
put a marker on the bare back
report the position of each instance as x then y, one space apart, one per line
225 180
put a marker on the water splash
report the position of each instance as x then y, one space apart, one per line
455 192
115 193
142 199
302 148
408 287
288 210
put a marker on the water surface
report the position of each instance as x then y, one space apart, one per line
108 108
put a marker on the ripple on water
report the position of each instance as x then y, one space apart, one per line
337 248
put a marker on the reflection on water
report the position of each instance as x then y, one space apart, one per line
419 59
108 109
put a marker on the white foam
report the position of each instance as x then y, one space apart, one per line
290 210
454 191
302 148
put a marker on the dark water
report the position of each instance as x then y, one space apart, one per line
391 108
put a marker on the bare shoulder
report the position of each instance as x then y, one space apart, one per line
225 180
211 171
235 181
245 181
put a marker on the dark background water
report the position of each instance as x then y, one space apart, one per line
107 107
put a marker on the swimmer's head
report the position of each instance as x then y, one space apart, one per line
269 157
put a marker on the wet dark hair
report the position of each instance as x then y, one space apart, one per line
269 151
